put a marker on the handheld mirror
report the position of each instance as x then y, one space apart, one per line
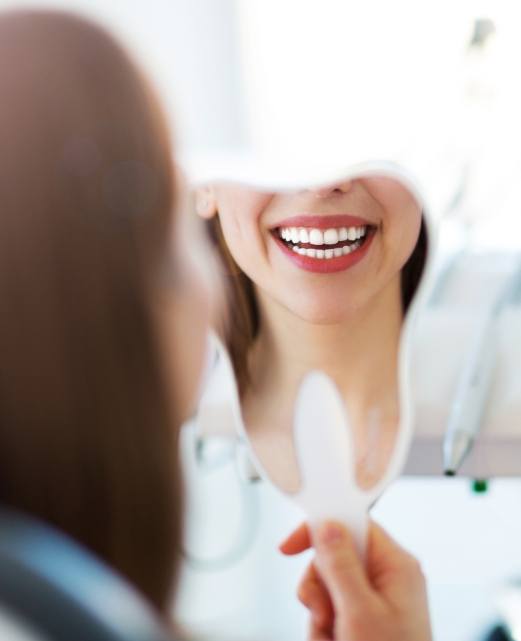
323 283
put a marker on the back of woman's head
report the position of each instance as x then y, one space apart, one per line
86 192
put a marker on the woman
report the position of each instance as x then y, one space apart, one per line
91 266
103 319
319 279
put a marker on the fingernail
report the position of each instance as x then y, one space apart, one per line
330 533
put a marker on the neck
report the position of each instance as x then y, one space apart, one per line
359 353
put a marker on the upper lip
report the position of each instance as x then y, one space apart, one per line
323 222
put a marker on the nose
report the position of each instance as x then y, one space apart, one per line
337 188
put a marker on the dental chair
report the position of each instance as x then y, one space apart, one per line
52 589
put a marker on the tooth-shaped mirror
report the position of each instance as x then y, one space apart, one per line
319 278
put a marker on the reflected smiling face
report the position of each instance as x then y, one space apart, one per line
302 248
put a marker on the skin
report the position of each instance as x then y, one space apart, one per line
305 323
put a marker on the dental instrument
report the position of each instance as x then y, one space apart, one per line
475 381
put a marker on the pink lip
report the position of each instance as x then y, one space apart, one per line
329 265
323 222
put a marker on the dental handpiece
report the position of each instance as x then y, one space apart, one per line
471 397
475 382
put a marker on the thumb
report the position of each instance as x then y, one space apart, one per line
341 568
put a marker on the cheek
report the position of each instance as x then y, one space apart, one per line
237 230
402 217
240 220
401 230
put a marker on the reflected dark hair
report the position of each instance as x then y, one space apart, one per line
87 434
412 271
241 322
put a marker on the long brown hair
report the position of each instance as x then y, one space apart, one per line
86 194
240 324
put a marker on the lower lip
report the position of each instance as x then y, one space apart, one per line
327 265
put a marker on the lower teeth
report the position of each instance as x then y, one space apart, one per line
326 254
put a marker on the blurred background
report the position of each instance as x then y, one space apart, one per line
432 85
285 92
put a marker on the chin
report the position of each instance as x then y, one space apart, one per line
324 313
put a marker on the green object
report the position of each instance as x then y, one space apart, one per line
480 486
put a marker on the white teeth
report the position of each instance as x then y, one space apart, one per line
316 237
321 237
305 235
331 237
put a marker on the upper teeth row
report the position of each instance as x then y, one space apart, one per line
319 236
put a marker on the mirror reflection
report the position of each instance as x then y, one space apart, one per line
318 278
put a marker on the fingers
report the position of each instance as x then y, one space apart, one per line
384 553
349 599
381 544
317 633
341 569
314 595
388 561
298 541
